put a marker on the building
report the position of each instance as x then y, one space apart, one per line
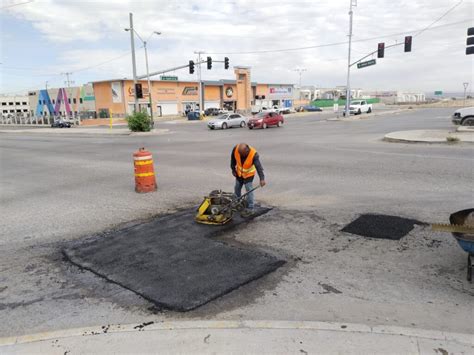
14 105
174 97
77 102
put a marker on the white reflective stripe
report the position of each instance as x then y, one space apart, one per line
143 158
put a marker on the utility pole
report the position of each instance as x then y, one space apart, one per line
348 85
68 82
465 89
134 64
300 72
149 83
201 99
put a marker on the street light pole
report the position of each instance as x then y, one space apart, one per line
300 72
134 64
149 83
348 85
465 89
200 96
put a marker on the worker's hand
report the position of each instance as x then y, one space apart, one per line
262 183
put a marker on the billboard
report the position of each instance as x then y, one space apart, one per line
280 91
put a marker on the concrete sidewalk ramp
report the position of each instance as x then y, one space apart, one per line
173 261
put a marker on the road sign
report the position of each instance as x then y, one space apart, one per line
169 78
366 64
438 92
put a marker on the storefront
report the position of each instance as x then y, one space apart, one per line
280 95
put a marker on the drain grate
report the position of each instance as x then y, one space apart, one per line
381 226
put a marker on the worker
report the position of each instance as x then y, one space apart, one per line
244 163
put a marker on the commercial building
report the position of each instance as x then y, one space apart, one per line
174 97
14 105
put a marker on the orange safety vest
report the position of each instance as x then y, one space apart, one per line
247 169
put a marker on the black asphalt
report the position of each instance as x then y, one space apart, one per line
173 261
381 226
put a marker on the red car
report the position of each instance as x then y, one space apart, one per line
265 119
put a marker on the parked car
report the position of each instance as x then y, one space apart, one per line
360 106
212 111
266 119
227 120
464 116
61 124
309 108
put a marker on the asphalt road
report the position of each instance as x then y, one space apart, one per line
321 175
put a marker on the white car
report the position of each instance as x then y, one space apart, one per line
360 106
228 120
464 116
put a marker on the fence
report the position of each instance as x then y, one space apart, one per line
26 120
341 102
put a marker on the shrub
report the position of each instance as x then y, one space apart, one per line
451 139
139 122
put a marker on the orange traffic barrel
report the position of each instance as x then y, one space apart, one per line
144 172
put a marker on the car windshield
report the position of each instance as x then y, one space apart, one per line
222 117
355 103
260 115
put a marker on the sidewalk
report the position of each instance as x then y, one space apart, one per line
462 134
269 337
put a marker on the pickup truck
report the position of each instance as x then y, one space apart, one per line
464 116
360 106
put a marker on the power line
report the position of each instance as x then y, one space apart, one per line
442 16
342 43
13 5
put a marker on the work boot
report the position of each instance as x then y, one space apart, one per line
247 212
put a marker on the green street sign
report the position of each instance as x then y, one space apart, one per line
169 78
366 64
438 92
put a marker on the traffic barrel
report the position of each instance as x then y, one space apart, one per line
144 172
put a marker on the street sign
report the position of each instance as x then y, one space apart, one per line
366 64
438 92
169 78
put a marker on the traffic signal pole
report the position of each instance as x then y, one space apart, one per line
348 85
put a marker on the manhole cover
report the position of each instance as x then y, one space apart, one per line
172 261
381 226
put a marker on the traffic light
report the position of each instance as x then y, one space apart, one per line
139 91
408 44
381 50
191 67
209 62
226 63
470 41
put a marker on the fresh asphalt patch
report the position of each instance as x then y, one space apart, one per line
381 226
173 261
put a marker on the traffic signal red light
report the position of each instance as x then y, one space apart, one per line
209 62
408 44
226 63
191 67
381 50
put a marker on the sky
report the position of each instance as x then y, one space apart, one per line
43 39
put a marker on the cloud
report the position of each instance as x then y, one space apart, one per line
90 32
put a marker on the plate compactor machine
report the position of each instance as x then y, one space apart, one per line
219 207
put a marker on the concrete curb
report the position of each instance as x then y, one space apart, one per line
368 116
428 137
461 338
85 132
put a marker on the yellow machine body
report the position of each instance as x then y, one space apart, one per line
205 214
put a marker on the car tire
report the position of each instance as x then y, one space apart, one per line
250 127
279 124
369 110
224 125
242 124
264 126
359 112
468 121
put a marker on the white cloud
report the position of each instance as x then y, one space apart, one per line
91 32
